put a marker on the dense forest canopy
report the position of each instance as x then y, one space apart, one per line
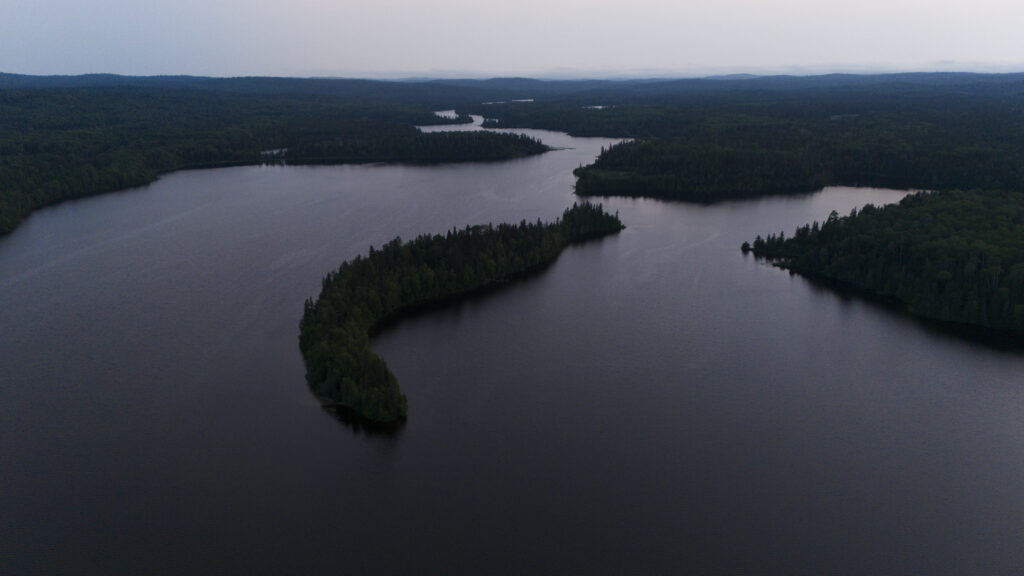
699 140
367 291
68 137
950 255
649 109
65 137
711 141
953 256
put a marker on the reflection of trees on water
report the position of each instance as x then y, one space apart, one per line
360 425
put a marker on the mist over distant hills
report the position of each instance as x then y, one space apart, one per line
452 91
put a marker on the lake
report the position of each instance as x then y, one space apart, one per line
654 402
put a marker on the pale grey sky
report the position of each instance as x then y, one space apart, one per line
393 38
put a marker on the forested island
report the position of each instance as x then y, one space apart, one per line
68 137
371 290
952 256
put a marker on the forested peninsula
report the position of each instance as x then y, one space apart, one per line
953 256
69 137
371 290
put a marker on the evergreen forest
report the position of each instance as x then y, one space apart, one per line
713 140
702 140
65 138
368 291
949 255
952 256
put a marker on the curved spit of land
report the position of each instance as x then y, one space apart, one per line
370 290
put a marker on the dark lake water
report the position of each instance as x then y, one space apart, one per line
655 402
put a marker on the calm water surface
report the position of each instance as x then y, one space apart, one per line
654 403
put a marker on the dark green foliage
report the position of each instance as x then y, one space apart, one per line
736 157
679 169
63 143
708 140
413 146
952 256
368 291
66 137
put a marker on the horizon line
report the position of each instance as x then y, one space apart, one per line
564 74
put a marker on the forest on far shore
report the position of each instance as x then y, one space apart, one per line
702 140
63 142
953 256
708 141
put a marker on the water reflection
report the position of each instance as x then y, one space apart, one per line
1002 340
359 425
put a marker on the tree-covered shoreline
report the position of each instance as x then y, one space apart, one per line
951 256
61 143
775 155
368 292
700 140
708 141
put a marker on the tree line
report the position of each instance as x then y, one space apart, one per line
708 140
61 143
939 143
368 291
949 255
953 256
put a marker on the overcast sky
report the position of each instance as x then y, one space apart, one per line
396 38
